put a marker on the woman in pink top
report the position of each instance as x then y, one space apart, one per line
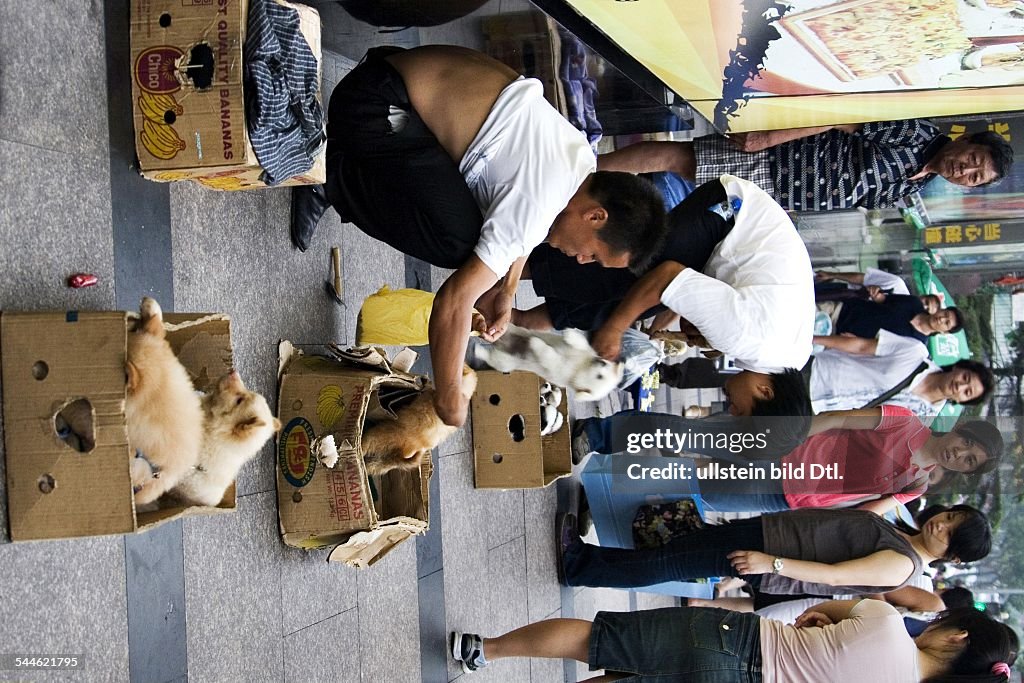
883 456
843 641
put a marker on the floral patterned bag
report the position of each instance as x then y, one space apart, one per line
656 525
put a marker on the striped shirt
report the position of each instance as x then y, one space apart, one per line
871 168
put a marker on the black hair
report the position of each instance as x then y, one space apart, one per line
986 435
970 541
959 324
957 596
636 216
790 400
988 643
999 148
988 380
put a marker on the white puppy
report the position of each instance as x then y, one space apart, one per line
565 360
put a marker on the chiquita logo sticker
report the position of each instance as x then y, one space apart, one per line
154 69
294 455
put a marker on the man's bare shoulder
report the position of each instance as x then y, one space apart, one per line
432 62
452 89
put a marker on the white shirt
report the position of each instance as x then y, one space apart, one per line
846 381
884 280
755 299
523 166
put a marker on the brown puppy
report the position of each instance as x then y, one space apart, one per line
400 443
237 422
165 420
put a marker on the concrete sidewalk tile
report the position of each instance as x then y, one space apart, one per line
55 90
541 573
459 442
546 670
497 515
233 593
323 652
389 633
67 597
314 590
52 233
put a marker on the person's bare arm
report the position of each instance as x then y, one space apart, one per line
861 418
650 157
856 345
852 278
879 506
915 599
496 303
755 141
645 293
881 568
825 613
450 324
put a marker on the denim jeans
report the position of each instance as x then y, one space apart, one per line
691 644
694 556
739 495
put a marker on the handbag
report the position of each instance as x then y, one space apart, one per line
656 525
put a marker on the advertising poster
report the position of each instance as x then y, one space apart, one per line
761 65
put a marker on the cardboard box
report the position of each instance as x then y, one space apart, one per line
508 450
321 506
50 360
187 94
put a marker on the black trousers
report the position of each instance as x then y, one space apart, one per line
583 296
387 173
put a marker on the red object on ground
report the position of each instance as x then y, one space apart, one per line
79 280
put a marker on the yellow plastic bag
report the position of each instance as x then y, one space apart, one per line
397 317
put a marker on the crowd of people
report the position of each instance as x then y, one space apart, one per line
495 184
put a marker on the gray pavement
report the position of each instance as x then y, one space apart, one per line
218 599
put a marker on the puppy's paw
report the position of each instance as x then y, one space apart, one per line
468 381
152 317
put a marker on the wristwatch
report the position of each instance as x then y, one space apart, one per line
777 565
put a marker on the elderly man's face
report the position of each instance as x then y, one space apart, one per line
966 163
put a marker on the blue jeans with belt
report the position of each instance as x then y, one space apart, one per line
695 556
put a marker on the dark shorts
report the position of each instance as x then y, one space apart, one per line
691 644
387 173
583 296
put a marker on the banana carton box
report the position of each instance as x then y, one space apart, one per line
187 95
324 495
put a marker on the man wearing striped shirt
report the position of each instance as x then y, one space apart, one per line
870 165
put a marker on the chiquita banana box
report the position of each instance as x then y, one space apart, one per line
187 83
187 93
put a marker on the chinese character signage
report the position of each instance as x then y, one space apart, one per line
962 235
769 64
